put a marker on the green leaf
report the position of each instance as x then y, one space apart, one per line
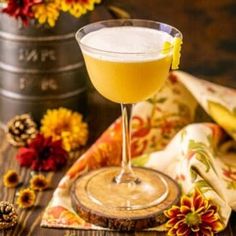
203 160
161 100
193 174
202 154
193 145
151 100
209 139
183 134
231 185
203 186
141 161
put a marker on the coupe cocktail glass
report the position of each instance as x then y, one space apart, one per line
127 64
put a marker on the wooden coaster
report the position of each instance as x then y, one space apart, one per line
120 219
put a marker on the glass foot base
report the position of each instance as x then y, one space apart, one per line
150 190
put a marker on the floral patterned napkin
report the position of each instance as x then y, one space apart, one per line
165 137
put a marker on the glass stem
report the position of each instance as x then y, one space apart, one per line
126 174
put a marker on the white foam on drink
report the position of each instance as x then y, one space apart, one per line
125 43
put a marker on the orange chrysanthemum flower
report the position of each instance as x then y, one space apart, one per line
196 216
67 126
11 179
26 198
39 183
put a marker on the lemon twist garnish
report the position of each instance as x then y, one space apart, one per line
176 53
166 47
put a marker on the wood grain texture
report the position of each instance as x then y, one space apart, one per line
101 112
209 51
106 215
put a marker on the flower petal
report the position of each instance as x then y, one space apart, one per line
171 232
198 201
179 223
212 207
206 231
185 209
195 228
186 201
26 156
217 226
209 217
172 212
201 210
171 223
184 230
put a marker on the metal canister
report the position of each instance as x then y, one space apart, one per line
40 67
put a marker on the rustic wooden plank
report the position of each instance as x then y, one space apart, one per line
29 220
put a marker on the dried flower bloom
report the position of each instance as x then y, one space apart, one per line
11 179
67 126
39 182
196 216
26 198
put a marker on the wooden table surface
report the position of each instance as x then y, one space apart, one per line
101 114
209 51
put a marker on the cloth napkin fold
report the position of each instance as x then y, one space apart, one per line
165 137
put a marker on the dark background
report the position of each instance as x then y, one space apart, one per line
208 27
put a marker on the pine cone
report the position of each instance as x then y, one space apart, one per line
21 129
8 216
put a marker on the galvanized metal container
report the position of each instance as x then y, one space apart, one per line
40 67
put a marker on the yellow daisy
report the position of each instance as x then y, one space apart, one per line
39 183
26 198
78 7
11 179
67 126
47 12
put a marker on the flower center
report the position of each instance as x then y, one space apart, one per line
13 178
26 198
44 154
39 183
193 219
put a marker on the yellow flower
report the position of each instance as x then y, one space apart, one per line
78 7
26 198
47 12
67 126
11 179
39 183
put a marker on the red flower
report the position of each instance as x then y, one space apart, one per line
196 216
42 154
21 9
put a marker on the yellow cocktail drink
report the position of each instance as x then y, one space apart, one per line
127 82
128 77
